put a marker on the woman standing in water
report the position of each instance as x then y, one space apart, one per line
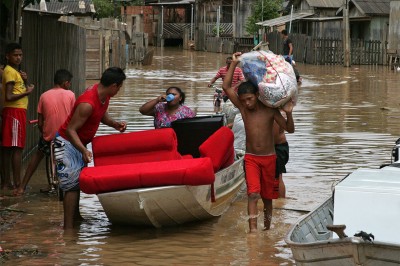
167 108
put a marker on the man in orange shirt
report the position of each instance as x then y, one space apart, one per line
53 109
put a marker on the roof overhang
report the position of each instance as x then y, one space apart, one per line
284 19
176 3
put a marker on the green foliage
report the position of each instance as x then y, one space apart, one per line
104 8
262 10
214 30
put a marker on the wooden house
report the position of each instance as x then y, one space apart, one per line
171 19
394 26
316 18
369 19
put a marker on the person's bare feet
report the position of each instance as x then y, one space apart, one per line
253 225
19 191
267 222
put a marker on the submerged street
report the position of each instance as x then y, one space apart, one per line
345 118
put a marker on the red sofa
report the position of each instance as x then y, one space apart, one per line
135 147
219 147
150 158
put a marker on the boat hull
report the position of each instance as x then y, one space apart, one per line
312 244
174 205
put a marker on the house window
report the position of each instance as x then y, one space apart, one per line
226 14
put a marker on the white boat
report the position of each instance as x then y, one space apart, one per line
174 205
148 193
312 243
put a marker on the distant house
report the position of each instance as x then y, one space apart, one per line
316 18
369 19
169 21
141 19
324 18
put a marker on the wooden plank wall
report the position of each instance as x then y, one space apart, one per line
106 44
44 53
94 57
138 47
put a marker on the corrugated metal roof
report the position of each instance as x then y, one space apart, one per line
325 3
282 20
373 7
66 7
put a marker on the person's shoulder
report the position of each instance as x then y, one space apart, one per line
68 93
9 71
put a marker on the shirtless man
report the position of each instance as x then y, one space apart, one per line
260 158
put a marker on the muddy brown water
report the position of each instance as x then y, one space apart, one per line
346 118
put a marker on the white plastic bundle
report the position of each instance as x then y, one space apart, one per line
274 77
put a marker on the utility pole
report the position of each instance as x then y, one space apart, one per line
346 35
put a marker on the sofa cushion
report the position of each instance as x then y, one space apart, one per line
219 147
108 178
135 147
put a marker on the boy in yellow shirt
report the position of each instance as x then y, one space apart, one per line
15 91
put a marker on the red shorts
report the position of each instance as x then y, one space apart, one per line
14 127
261 176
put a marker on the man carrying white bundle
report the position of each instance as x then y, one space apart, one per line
260 157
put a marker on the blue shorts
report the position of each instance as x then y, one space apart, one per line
69 164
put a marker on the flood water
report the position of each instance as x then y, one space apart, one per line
345 118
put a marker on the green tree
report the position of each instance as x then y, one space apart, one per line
104 8
108 8
262 10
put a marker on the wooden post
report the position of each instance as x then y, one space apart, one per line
346 35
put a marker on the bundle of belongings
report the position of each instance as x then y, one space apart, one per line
274 77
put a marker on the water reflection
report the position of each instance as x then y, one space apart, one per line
345 118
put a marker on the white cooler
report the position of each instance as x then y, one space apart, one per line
369 200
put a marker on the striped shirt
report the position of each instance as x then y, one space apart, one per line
237 75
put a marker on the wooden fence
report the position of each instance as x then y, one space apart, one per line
175 30
106 44
225 29
329 51
228 45
138 47
320 51
44 53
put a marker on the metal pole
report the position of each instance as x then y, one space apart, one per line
218 18
191 25
291 16
162 27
